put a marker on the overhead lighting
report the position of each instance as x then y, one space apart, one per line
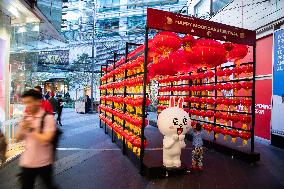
22 29
14 11
35 28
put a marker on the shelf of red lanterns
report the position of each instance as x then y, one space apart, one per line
137 101
128 136
134 120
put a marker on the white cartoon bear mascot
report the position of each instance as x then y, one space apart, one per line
173 123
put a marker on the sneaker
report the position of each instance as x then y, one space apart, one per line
60 124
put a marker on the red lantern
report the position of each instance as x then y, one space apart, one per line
209 74
224 132
227 73
217 130
166 42
188 41
235 118
247 85
180 61
235 52
234 134
209 114
208 128
218 116
228 86
245 136
208 53
236 87
219 87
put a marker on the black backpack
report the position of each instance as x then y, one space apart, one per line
57 135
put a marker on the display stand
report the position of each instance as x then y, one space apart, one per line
214 96
121 110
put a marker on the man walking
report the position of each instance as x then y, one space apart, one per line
37 129
59 109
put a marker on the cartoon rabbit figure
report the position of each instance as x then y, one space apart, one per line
173 123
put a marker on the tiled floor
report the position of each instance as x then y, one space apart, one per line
88 159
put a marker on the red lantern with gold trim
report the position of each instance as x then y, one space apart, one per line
166 42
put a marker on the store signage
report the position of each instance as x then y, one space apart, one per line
278 85
58 57
163 20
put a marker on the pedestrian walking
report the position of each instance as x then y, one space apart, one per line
59 109
37 129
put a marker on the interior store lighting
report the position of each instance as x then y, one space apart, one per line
14 11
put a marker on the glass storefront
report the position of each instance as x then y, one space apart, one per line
5 29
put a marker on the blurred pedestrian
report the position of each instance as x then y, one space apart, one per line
45 104
53 102
37 129
3 148
59 109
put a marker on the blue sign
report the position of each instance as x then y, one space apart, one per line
278 68
277 119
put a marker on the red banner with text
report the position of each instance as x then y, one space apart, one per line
169 21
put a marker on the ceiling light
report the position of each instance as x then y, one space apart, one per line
14 11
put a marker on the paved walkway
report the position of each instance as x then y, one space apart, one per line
87 159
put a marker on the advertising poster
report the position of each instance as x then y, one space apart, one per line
277 119
263 108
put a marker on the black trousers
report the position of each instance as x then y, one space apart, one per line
59 113
29 175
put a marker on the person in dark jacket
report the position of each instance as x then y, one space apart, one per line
59 109
53 102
